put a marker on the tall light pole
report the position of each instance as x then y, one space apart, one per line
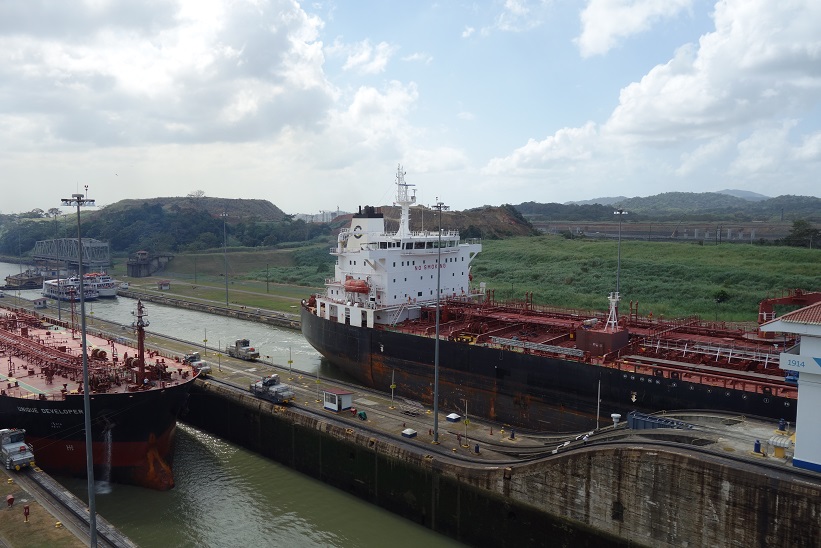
620 212
440 207
224 216
80 200
57 248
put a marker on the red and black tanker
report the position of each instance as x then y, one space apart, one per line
135 398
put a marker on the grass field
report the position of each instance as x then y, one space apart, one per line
667 279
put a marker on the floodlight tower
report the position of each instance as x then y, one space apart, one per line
80 200
439 206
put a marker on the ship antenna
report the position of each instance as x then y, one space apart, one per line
404 201
140 324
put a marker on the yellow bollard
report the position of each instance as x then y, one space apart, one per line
58 525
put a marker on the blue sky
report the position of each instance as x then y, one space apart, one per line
313 105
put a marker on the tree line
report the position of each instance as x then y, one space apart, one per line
152 227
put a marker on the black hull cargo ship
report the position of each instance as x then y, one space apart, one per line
135 399
519 363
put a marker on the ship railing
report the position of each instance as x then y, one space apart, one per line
529 345
446 233
398 313
714 350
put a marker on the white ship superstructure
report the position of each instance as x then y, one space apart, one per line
67 289
102 282
386 277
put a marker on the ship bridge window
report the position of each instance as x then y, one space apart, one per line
383 245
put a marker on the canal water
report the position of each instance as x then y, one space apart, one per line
225 495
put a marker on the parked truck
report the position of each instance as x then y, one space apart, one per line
14 450
271 389
243 350
197 363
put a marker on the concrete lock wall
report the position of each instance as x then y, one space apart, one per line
603 495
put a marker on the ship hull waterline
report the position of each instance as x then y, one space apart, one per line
509 387
133 433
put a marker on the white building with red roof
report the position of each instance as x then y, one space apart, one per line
804 358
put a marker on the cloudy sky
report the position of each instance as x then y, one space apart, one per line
313 105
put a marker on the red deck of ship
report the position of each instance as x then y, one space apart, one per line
706 352
43 360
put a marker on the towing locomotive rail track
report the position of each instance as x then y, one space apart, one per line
242 312
45 489
608 437
398 440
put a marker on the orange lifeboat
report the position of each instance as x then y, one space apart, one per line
356 286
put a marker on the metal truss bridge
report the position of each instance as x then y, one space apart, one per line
96 254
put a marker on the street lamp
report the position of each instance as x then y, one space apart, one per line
224 216
80 200
440 207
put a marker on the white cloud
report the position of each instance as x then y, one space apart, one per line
468 32
607 22
568 145
704 154
763 152
517 16
726 107
810 148
419 57
761 62
363 57
198 73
